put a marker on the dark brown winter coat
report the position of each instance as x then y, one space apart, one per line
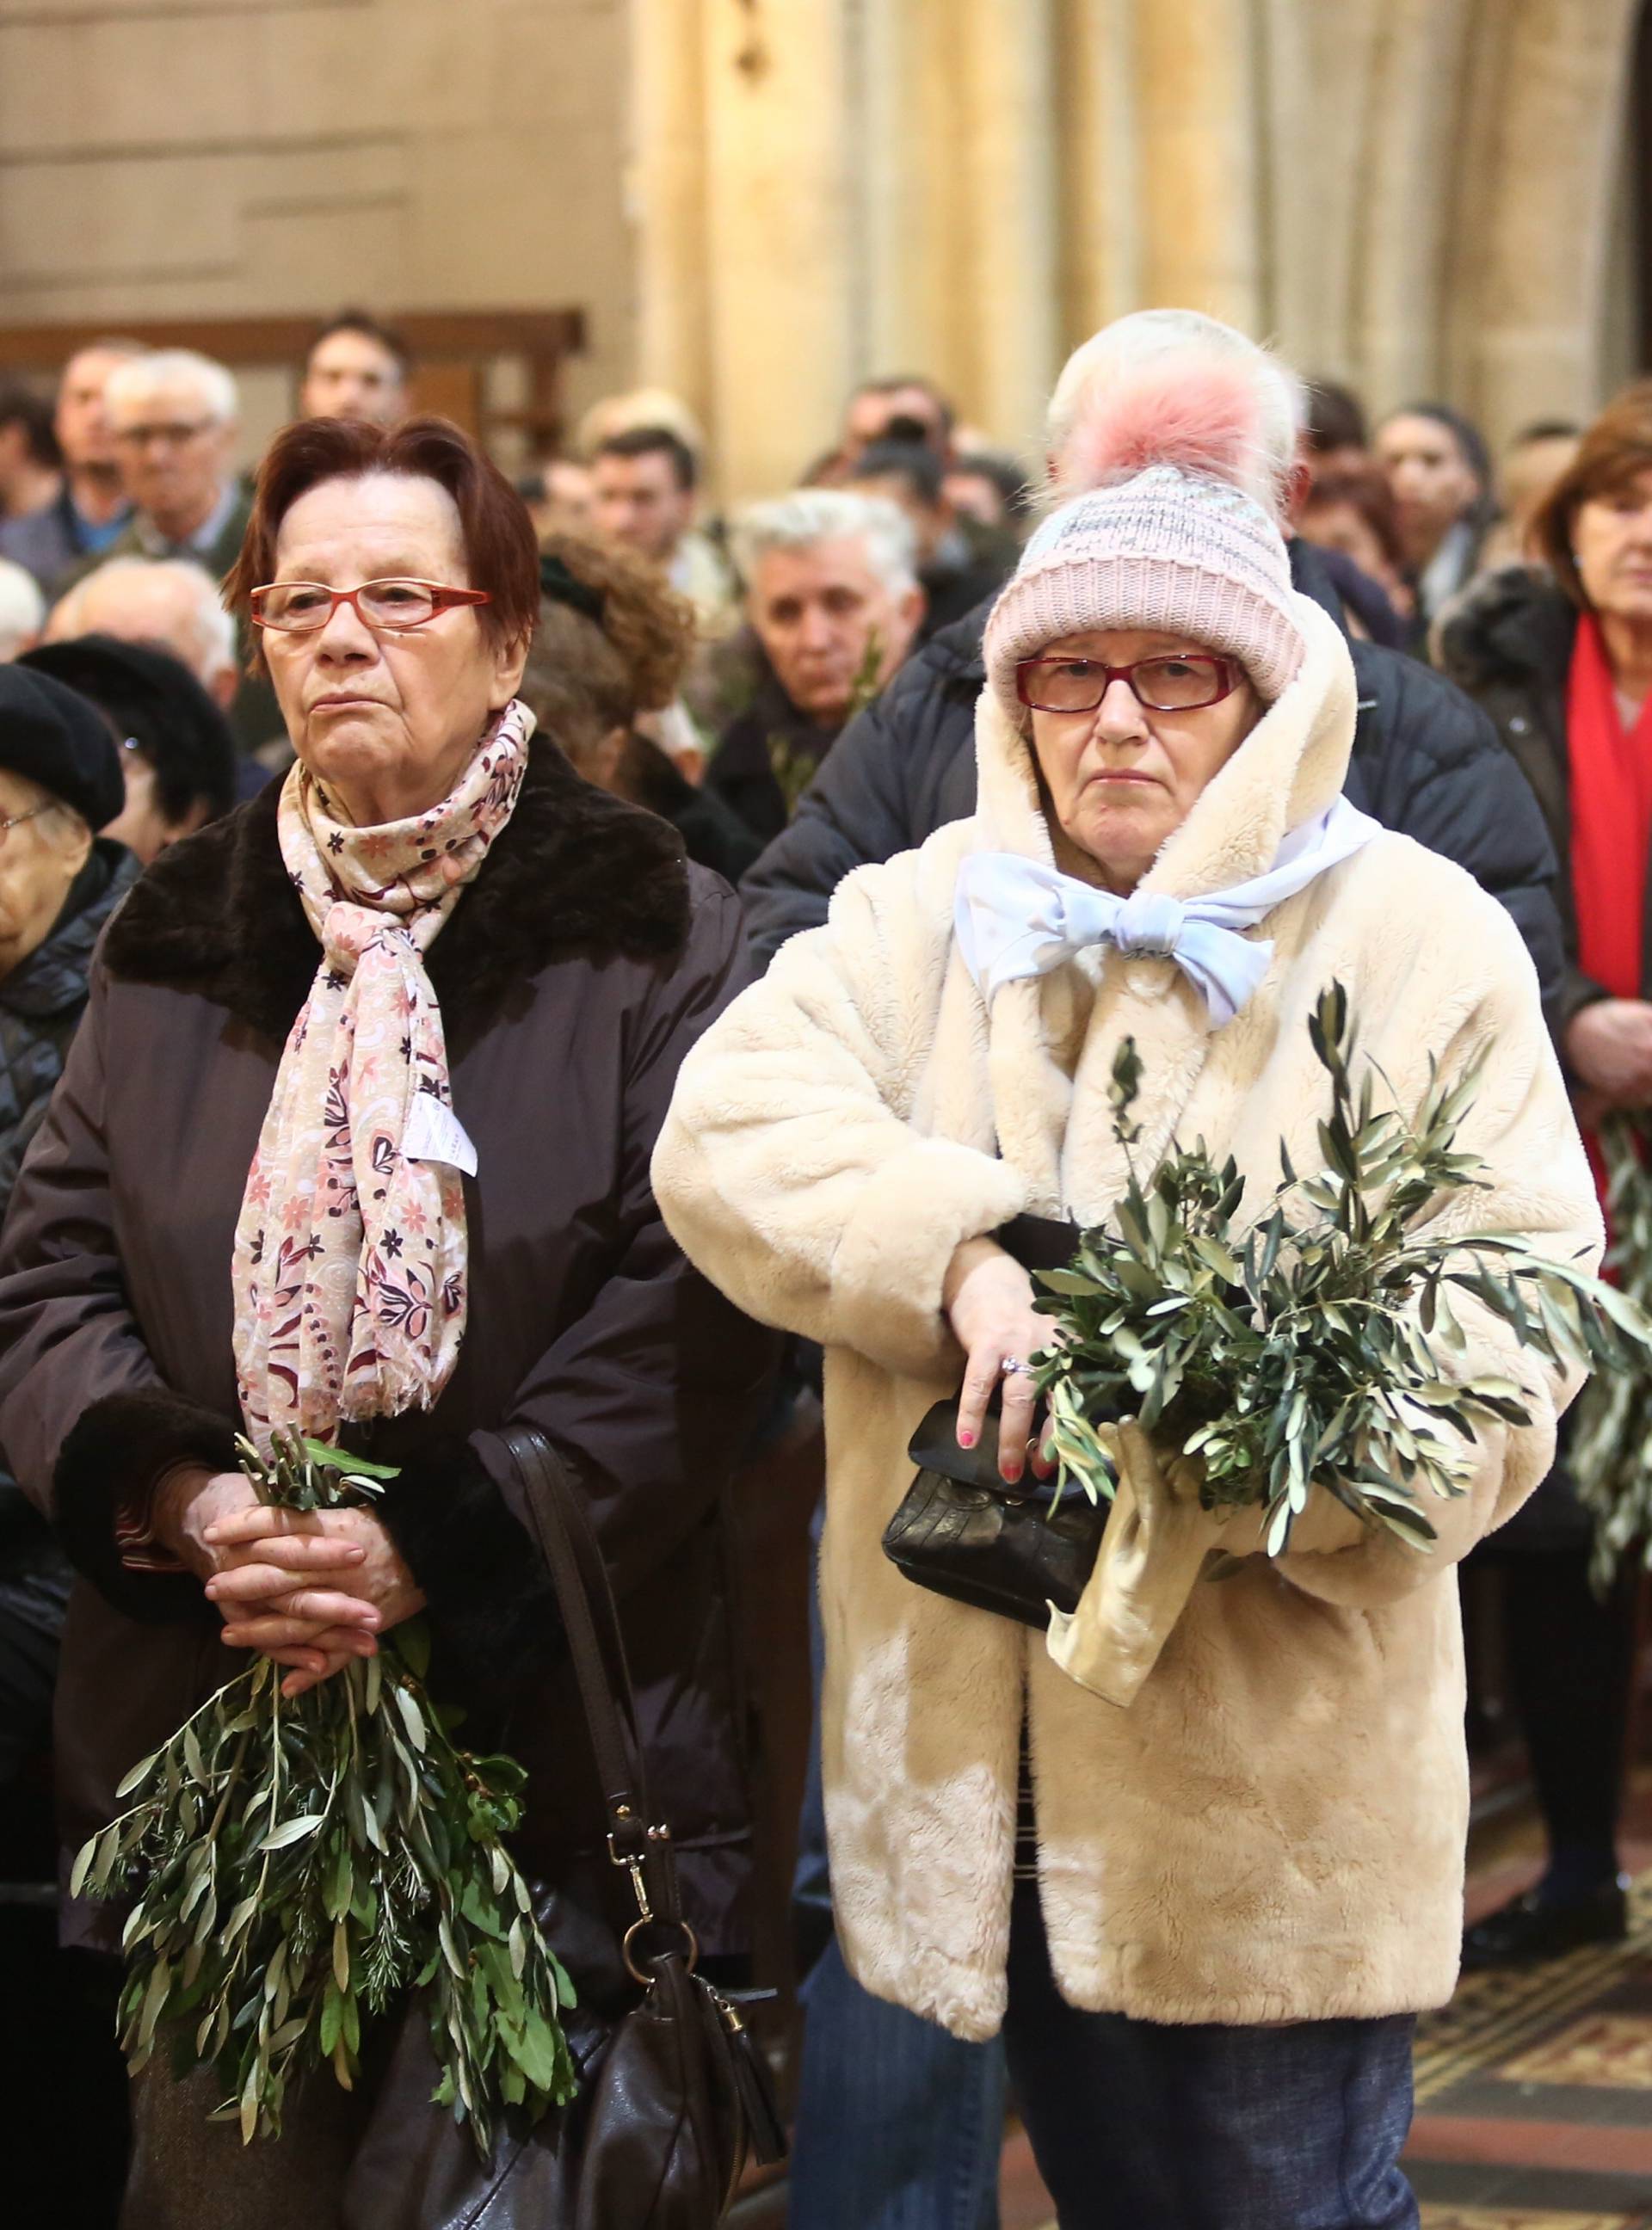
573 976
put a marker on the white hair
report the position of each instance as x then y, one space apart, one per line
1146 341
812 515
141 377
207 642
21 609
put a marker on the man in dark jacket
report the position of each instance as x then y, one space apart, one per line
1425 761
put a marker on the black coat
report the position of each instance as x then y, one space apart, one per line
1508 645
1425 762
766 755
574 974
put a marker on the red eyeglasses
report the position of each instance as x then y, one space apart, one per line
303 607
1181 683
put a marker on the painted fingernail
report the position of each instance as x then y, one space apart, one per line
966 1440
1011 1473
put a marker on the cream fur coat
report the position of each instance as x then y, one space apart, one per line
1274 1830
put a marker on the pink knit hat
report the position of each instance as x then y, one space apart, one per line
1164 540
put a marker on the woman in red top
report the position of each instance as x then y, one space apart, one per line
1559 652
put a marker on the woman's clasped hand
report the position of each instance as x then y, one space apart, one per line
310 1588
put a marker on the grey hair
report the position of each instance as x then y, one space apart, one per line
1147 340
143 376
21 609
812 515
212 631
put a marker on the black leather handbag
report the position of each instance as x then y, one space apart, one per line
675 2093
962 1532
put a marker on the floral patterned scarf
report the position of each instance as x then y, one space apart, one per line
349 1256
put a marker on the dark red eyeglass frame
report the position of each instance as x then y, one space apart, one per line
442 599
1227 670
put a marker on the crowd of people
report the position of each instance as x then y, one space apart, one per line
637 833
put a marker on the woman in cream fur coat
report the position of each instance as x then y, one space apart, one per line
1250 1881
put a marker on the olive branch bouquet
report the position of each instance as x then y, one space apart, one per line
1311 1346
1609 1452
300 1862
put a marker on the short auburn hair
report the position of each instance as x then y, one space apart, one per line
501 554
1614 451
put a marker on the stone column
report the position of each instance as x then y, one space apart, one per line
1101 164
665 194
1527 281
1403 220
1201 215
1316 122
780 261
1007 167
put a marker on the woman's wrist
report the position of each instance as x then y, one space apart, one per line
967 1256
180 1507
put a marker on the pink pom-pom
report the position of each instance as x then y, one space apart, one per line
1199 415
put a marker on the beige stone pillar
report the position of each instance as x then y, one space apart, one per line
1008 169
1200 166
1317 119
1101 226
781 234
1410 180
665 193
1526 283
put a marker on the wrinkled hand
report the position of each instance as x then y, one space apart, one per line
1609 1048
988 1298
294 1591
284 1574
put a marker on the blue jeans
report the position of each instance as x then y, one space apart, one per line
1139 2126
900 2126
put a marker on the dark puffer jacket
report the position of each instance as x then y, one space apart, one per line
1508 645
1425 762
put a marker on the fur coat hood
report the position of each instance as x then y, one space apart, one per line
1273 1831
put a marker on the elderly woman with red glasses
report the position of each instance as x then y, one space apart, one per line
1204 1920
355 1140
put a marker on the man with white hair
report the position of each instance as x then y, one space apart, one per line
832 598
89 509
926 2111
170 602
172 416
21 609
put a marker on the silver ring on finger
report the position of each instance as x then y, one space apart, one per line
1012 1367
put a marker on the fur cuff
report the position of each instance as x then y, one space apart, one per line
116 1451
491 1604
891 1258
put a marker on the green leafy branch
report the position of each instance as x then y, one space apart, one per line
1317 1345
297 1865
1609 1451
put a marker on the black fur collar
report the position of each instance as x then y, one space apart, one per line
575 869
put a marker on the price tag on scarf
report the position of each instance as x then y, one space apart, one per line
435 1134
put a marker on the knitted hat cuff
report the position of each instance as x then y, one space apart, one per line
1157 594
1166 551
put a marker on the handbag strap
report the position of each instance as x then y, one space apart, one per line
636 1840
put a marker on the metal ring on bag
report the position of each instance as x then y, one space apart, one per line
636 1929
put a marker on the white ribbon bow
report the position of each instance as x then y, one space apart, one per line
1016 917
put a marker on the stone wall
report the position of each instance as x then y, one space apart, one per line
1414 195
757 202
172 158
